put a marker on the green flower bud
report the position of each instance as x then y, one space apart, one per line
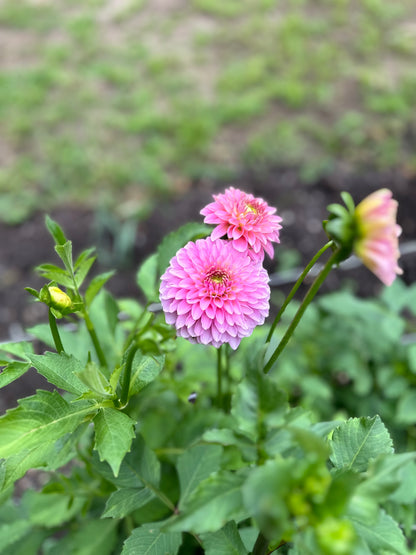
58 299
335 536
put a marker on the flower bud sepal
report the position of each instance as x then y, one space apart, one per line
341 226
59 302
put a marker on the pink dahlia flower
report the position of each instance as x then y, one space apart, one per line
250 222
377 243
214 294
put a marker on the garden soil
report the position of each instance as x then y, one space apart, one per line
302 206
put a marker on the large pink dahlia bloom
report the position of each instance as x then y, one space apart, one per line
250 222
214 294
377 244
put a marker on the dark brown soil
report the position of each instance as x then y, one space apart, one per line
302 206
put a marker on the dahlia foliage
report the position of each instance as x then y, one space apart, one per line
216 291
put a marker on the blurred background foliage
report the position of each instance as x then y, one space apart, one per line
134 99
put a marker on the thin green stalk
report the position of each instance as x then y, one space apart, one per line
94 338
296 287
127 376
307 299
219 377
55 333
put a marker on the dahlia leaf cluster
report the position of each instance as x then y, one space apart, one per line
146 440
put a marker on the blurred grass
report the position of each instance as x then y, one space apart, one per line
130 99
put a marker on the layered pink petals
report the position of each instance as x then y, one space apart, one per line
377 243
248 221
214 294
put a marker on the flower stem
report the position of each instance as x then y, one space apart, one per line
55 333
296 287
307 299
94 338
219 377
127 376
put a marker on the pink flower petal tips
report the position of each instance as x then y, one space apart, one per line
248 221
213 293
377 235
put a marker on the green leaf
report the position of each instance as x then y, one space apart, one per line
40 419
124 501
114 432
12 372
149 540
96 285
51 509
213 503
53 273
49 455
83 269
20 349
60 370
406 408
359 440
90 537
147 278
226 541
65 254
196 464
382 536
145 368
55 230
85 255
11 533
95 380
177 239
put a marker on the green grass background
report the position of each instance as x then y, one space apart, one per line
114 102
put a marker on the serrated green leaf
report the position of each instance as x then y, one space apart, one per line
177 239
55 230
50 509
113 436
53 273
95 380
41 418
149 540
147 278
83 269
85 255
48 455
20 349
90 537
213 503
145 368
382 536
123 501
196 464
359 440
64 251
12 372
60 370
11 533
96 285
226 541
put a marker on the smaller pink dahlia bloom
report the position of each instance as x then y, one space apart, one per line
377 243
250 222
214 294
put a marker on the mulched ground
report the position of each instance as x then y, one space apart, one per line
302 206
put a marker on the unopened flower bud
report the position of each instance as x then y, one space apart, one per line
59 299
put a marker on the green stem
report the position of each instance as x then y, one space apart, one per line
307 299
296 287
94 338
127 376
55 333
260 547
219 376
